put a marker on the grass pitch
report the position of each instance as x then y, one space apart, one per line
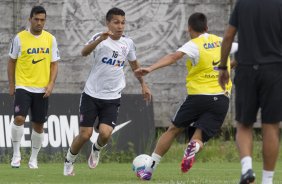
116 173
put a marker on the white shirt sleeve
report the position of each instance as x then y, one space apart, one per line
55 51
132 51
95 37
15 48
190 49
234 48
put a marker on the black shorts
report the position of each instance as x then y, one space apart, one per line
25 100
258 86
206 112
91 108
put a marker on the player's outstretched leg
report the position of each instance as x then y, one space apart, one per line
189 157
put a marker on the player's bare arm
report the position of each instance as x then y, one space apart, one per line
11 75
225 50
53 76
145 89
164 61
90 47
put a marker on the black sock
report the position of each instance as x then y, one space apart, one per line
153 164
94 148
67 160
72 152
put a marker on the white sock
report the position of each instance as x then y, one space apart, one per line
267 177
16 135
246 163
36 143
70 157
156 159
197 147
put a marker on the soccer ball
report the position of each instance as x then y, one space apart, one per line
141 162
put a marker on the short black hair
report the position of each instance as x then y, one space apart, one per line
37 10
114 11
198 22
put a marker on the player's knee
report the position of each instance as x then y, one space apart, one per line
174 130
105 131
19 120
105 134
85 136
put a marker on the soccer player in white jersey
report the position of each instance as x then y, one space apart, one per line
32 71
206 105
102 91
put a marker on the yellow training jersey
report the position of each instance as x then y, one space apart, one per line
33 63
202 77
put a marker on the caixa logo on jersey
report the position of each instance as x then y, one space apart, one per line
38 50
111 61
212 45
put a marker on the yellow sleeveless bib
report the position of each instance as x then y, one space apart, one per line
203 77
33 65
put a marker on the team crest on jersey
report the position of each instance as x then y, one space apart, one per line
38 50
17 108
123 50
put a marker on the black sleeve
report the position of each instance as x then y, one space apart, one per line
234 16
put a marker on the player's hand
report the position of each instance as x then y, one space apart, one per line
11 89
233 64
48 90
223 78
105 35
142 71
147 96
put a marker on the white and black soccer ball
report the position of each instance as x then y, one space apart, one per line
141 162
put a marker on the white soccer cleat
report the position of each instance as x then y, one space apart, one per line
93 159
16 162
32 164
68 169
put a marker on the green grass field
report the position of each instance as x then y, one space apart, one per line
120 173
218 163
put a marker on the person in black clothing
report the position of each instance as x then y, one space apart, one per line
258 79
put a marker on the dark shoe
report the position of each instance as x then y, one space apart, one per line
248 177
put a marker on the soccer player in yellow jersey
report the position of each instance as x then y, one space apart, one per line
206 105
32 71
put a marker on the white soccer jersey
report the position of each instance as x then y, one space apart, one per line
106 79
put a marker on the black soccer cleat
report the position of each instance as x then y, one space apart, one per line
248 177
